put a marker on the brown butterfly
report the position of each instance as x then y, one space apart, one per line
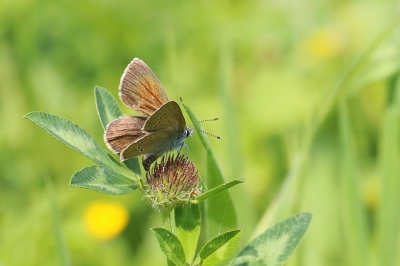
162 127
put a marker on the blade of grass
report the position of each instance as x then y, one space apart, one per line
353 216
230 123
216 190
282 202
341 87
389 157
221 214
61 245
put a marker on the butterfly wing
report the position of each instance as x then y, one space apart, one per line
123 131
154 143
140 89
168 117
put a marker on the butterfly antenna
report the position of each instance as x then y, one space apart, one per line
202 131
211 135
205 120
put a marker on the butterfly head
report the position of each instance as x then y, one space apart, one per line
188 132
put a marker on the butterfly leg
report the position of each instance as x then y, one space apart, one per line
186 148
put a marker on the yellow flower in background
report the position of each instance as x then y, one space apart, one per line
105 219
371 195
323 44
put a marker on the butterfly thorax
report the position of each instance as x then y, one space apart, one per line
175 143
179 141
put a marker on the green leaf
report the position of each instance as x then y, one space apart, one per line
222 201
107 107
76 138
108 110
187 223
170 245
275 245
133 165
215 191
103 180
219 249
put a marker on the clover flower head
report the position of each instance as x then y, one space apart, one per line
172 182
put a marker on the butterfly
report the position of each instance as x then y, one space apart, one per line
162 127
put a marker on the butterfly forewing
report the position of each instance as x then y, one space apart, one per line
155 143
122 132
140 89
167 117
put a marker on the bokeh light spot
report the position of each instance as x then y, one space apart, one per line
105 219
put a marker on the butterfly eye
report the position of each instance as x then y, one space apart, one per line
188 132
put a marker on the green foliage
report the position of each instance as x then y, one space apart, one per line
180 248
268 69
103 180
275 245
108 110
109 177
389 217
213 179
355 218
220 248
272 247
107 106
170 245
216 190
76 138
187 226
62 248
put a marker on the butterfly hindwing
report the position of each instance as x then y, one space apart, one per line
123 131
140 89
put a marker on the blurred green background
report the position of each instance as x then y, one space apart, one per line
307 124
